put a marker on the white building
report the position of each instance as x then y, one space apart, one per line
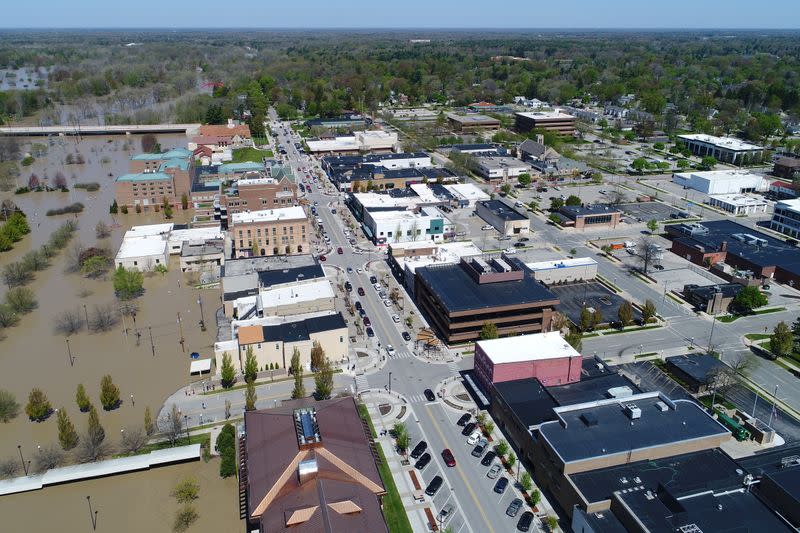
725 149
370 141
400 160
142 253
406 257
386 227
564 270
284 214
296 298
721 181
466 194
501 167
194 235
786 218
738 204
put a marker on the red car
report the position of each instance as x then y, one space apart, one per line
367 321
449 460
339 251
322 258
361 291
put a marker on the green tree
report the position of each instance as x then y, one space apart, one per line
586 319
226 446
186 491
227 372
782 340
488 331
574 338
648 311
526 481
149 427
552 522
625 314
82 399
597 317
127 283
250 366
524 179
67 436
250 397
511 460
254 249
317 356
639 165
573 199
556 204
554 218
299 390
95 266
38 407
184 518
708 163
114 208
748 299
21 300
96 432
323 380
184 202
109 393
502 448
9 408
683 163
401 437
506 188
652 225
535 497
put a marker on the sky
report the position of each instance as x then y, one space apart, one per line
535 14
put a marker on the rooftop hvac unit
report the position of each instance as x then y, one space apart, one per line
620 392
661 406
633 411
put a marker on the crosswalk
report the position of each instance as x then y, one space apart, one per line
416 398
453 367
361 382
402 354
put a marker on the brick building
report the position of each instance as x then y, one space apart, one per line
556 121
224 135
254 191
154 177
272 232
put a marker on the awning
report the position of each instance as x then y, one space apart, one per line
199 367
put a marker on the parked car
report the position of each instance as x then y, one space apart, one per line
524 239
423 461
429 395
387 303
406 336
362 312
525 521
487 227
501 485
463 420
348 286
358 305
373 280
514 507
446 514
396 319
479 448
494 471
376 287
339 250
468 429
488 458
361 291
449 460
370 333
419 449
367 321
323 258
434 486
474 438
519 245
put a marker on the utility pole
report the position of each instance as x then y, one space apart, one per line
152 346
180 327
202 318
711 335
774 399
69 354
86 313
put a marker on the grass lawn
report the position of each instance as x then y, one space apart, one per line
757 336
240 155
618 331
393 510
730 318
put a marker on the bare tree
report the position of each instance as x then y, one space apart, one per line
616 197
558 321
101 230
92 449
171 425
104 317
49 457
133 440
74 256
69 322
647 253
9 468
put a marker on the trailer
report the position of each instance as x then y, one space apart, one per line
740 433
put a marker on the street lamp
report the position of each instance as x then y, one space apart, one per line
390 382
133 402
24 465
69 354
92 514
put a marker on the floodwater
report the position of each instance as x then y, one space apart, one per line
134 502
33 355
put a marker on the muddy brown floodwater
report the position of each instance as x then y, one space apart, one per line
33 355
130 503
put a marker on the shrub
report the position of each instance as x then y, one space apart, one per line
89 186
226 445
9 408
77 207
21 300
82 399
127 283
38 407
186 491
185 517
109 393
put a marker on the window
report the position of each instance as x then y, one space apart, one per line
277 346
259 345
341 338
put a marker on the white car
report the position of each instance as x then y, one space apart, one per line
510 251
396 319
359 271
377 287
387 303
474 438
390 350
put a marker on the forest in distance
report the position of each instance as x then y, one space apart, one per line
724 82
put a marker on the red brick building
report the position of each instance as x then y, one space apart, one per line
154 177
544 356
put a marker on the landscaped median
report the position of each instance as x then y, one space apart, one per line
393 509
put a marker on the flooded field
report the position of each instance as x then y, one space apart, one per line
33 355
126 503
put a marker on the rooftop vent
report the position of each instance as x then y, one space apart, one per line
501 265
619 392
305 425
661 406
633 411
589 419
307 470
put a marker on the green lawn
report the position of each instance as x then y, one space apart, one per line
730 318
757 336
393 510
240 155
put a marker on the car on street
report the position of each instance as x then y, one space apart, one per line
323 258
510 251
429 395
362 312
390 350
525 521
339 250
349 270
423 461
434 486
474 438
449 460
348 286
468 429
446 514
406 336
358 305
370 333
524 239
376 287
463 420
494 471
361 291
658 267
487 227
367 321
373 280
419 449
513 508
488 458
479 448
359 271
501 485
519 245
387 303
396 319
333 211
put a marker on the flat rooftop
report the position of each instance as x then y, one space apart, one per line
681 474
562 263
269 215
499 162
296 293
142 247
731 143
251 265
278 275
603 429
467 191
731 174
545 115
145 176
574 211
457 291
793 204
699 367
473 119
534 347
502 210
739 200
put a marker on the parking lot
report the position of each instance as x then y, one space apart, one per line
645 211
574 297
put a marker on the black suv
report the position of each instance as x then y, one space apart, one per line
488 458
423 461
373 280
429 395
434 486
525 521
348 286
418 449
463 420
468 429
406 336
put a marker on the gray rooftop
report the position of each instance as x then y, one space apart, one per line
249 265
603 428
699 367
502 210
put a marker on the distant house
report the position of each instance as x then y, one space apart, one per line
224 135
787 167
531 150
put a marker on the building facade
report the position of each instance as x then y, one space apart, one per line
505 219
786 218
270 232
556 121
590 216
154 178
738 204
724 149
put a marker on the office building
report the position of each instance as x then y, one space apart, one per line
556 121
589 216
721 181
501 167
472 122
270 232
711 299
459 298
564 270
738 204
787 168
786 218
502 217
154 178
723 149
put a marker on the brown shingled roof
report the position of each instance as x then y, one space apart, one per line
251 334
223 130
